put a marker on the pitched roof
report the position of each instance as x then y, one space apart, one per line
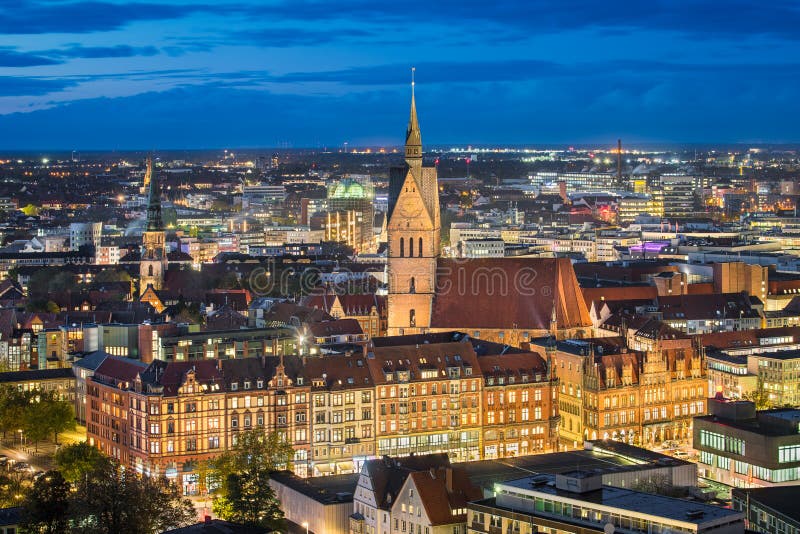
338 372
388 475
630 293
116 368
441 496
336 328
506 293
516 365
418 358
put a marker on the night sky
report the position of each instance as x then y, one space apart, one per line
296 73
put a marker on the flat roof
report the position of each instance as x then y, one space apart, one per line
326 490
781 499
631 500
487 473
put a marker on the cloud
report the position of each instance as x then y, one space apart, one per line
38 17
290 37
568 106
94 52
10 57
700 19
31 86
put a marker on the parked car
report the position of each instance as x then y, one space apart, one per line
21 466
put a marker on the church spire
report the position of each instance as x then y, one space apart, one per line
154 222
413 135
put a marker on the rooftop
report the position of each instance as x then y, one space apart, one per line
630 500
782 499
325 490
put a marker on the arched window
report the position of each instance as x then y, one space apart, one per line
420 247
410 247
412 286
149 270
402 247
412 318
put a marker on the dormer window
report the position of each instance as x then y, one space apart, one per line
260 384
299 381
246 384
234 386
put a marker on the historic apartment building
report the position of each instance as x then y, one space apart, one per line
607 391
433 393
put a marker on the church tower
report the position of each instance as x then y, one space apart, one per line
154 243
413 235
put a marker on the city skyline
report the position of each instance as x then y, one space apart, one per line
179 74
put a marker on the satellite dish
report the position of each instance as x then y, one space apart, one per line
609 528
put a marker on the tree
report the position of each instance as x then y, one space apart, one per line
759 396
13 487
47 415
112 275
243 494
13 406
114 500
77 460
46 507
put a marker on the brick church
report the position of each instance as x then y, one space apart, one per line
498 299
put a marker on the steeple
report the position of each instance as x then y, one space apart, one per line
154 222
413 135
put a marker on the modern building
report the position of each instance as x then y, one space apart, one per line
83 234
745 448
481 248
768 510
578 502
351 212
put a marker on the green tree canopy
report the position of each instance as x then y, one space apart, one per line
13 406
77 460
114 500
243 493
46 507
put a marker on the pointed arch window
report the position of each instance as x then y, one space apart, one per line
149 270
420 248
412 318
402 247
412 286
410 247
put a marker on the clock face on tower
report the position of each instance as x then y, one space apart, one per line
409 207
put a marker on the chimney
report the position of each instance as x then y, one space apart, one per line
448 479
207 519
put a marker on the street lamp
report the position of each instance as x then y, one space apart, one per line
305 525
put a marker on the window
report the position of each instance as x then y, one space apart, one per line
411 247
213 442
402 247
412 318
419 252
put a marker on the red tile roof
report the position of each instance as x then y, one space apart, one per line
596 294
506 293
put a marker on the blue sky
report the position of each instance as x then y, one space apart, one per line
317 73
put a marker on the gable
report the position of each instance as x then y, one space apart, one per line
410 211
